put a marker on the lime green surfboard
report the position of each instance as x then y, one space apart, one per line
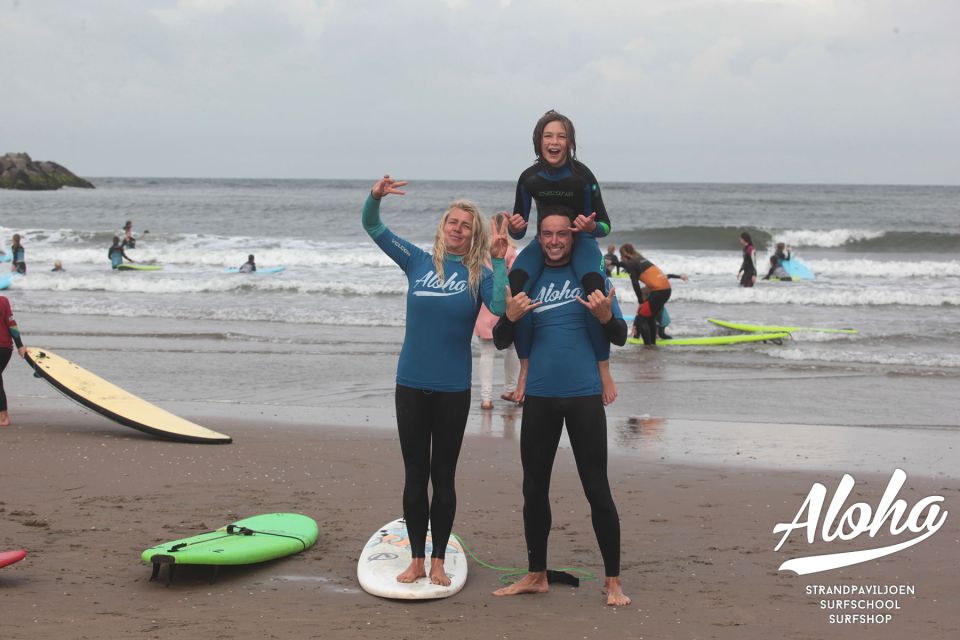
126 266
766 328
718 340
248 541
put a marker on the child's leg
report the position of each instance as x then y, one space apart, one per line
588 263
526 268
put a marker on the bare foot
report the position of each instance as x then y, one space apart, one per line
530 583
437 574
413 572
4 419
615 595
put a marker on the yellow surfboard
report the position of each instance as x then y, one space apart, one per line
109 400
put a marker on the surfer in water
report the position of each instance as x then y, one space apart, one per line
445 290
18 263
748 269
129 242
9 336
781 255
654 294
249 266
116 253
560 384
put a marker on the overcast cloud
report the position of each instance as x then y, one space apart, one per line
663 90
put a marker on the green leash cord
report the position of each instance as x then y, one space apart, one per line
511 574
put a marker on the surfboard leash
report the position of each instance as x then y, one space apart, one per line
564 575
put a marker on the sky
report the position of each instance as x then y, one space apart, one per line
795 91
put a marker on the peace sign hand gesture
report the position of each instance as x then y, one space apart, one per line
385 186
498 239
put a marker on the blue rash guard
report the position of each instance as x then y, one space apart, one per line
441 314
564 354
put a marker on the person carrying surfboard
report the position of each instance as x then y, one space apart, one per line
9 336
560 384
446 288
781 255
116 253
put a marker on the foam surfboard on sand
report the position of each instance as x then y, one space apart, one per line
769 328
9 557
387 554
718 340
248 541
109 400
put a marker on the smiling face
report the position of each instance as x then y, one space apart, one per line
554 145
556 240
458 232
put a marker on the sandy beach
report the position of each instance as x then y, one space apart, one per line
698 498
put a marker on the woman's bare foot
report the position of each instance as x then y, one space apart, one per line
413 572
4 419
530 583
437 573
615 595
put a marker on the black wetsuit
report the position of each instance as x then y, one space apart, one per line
748 267
775 261
19 264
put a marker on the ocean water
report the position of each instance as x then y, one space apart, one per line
885 257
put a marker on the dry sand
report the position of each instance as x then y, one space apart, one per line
85 497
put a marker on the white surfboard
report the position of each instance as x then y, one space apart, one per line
387 554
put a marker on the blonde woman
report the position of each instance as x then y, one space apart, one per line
446 289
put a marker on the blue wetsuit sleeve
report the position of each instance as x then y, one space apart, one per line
493 288
399 250
371 217
523 336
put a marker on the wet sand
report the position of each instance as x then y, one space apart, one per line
698 500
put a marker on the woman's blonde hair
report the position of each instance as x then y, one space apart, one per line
479 245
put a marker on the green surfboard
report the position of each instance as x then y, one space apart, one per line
248 541
718 340
126 266
767 328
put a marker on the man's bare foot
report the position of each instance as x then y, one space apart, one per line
530 583
615 595
413 572
437 573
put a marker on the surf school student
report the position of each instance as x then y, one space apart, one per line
9 336
116 254
17 260
658 290
748 269
445 291
780 255
57 266
558 179
129 242
611 261
559 384
249 266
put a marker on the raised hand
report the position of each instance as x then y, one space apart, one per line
386 186
600 305
498 239
518 305
586 223
515 222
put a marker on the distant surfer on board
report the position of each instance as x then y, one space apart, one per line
9 336
446 288
250 266
116 253
559 383
781 255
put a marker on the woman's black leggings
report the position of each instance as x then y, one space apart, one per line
543 420
658 300
4 359
431 426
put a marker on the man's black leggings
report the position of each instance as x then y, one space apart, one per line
425 420
543 420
